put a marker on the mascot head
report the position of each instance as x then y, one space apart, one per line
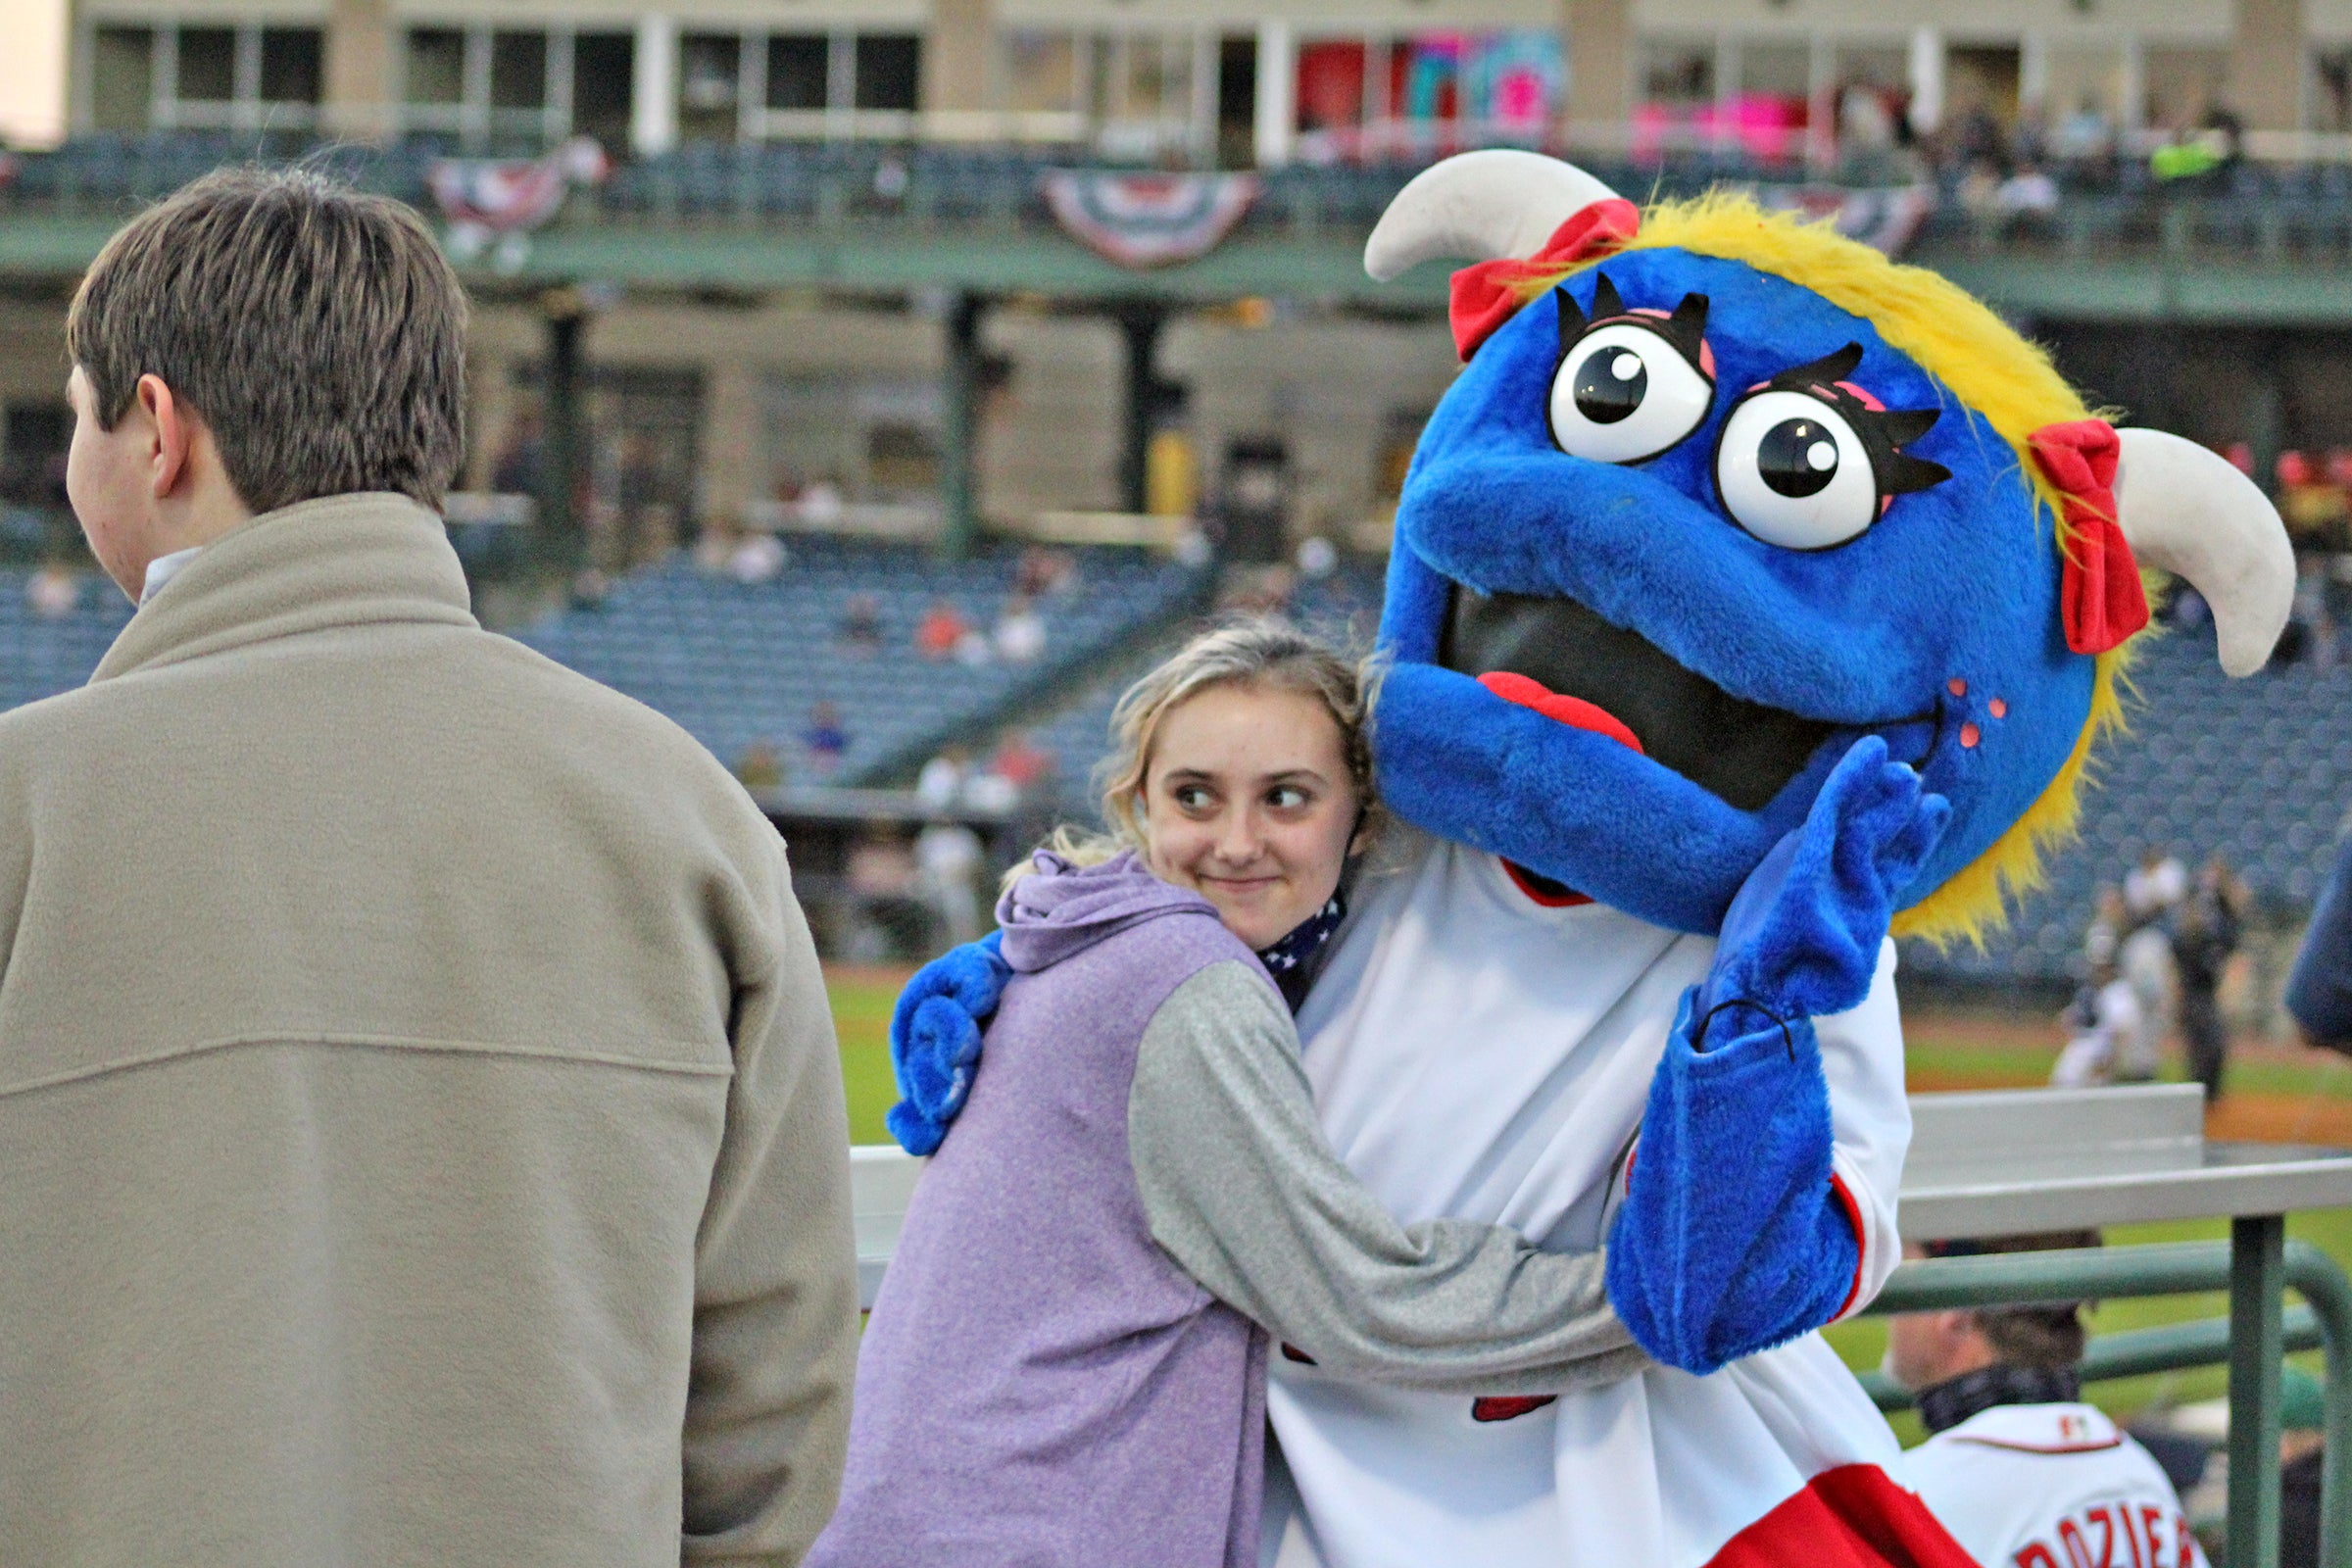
1721 492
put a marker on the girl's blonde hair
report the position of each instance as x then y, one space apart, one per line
1263 652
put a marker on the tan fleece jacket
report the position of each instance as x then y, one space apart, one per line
420 1134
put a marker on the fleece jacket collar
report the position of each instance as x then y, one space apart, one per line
339 560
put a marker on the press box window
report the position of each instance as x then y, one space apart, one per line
890 68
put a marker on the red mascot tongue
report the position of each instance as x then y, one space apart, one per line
1573 711
1576 714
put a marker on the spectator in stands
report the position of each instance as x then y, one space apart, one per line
1020 762
2028 198
2205 934
2019 1469
758 558
941 783
947 861
759 767
1044 571
54 592
2319 993
1020 637
425 1126
861 629
825 740
940 631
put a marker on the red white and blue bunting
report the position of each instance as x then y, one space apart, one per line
1139 219
501 200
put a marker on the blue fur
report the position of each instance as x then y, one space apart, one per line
935 1038
1955 582
1730 1239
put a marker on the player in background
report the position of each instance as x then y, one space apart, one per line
2099 1023
2017 1468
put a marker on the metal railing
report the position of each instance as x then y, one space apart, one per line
2255 1266
2276 213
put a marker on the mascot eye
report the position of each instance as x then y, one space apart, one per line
1623 392
1794 472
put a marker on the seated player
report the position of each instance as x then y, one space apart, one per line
2017 1468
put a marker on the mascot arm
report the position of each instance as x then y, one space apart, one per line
1241 1189
935 1038
1760 1204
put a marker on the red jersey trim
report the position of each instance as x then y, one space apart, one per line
1853 1218
1851 1516
2115 1442
1546 900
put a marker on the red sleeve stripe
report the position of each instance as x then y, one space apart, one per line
1853 1218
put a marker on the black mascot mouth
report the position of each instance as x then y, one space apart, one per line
1742 753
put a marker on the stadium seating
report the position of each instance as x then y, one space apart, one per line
1344 607
2258 770
739 666
40 657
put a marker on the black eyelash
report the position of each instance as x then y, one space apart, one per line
1686 327
1885 432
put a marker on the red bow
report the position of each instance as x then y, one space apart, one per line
1490 293
2099 595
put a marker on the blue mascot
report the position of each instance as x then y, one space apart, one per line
1754 599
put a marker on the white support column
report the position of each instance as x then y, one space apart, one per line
2132 108
1926 80
1276 108
1821 103
1204 98
163 88
558 115
2034 74
1727 87
751 85
473 92
653 87
245 93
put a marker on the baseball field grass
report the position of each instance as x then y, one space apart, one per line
2276 1094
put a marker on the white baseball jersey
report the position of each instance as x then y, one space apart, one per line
1478 1053
2053 1486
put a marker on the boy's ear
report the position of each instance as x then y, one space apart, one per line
175 432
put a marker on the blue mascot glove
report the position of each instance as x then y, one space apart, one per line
1801 938
1732 1239
935 1038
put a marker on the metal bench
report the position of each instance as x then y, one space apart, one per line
2010 1162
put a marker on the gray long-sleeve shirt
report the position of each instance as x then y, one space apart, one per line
1240 1187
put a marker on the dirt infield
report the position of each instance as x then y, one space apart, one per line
2273 1093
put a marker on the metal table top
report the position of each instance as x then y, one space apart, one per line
1997 1163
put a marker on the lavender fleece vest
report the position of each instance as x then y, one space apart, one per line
1040 1386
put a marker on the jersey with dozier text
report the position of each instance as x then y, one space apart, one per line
2053 1486
1480 1052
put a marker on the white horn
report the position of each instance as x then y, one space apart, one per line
1479 206
2186 510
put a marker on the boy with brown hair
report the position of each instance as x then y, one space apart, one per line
424 1136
